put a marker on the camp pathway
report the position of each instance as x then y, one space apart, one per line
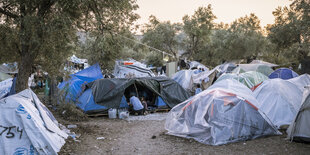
117 136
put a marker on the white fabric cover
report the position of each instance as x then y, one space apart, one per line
279 99
223 113
130 69
184 78
300 128
31 128
264 63
301 81
5 87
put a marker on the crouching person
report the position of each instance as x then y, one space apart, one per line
135 105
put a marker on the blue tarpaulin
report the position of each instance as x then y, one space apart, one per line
73 87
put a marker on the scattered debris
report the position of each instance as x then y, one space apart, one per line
100 138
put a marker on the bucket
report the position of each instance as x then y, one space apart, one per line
112 113
123 113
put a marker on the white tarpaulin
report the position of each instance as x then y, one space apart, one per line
5 87
301 81
130 69
184 78
299 129
28 127
279 99
222 114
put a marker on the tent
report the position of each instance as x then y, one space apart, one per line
264 63
301 81
224 113
279 99
250 79
226 68
299 130
4 76
283 73
197 65
131 68
266 70
9 68
104 94
184 78
5 87
28 127
205 78
73 88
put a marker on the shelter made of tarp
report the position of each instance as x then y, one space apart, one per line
131 68
266 70
77 60
250 79
28 127
283 73
224 113
8 69
301 81
73 87
264 63
184 78
197 65
4 76
109 92
279 99
5 87
299 128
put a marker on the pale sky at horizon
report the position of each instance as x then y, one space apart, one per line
225 10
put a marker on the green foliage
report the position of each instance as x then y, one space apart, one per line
162 36
198 29
155 59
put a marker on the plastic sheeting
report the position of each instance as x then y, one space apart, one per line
130 69
223 113
4 76
28 127
283 73
5 87
266 70
301 81
184 78
195 64
249 79
299 128
264 63
279 99
73 88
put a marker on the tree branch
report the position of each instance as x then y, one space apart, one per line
12 15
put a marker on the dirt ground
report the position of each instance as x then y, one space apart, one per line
149 137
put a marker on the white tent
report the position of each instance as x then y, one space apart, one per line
131 68
223 113
301 81
279 99
264 63
184 78
299 130
5 87
28 127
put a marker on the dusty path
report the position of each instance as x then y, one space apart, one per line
148 137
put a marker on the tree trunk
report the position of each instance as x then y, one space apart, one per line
24 71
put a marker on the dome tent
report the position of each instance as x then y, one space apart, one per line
279 99
104 94
184 78
266 70
223 113
283 73
249 79
299 128
301 81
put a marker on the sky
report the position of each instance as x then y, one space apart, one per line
225 10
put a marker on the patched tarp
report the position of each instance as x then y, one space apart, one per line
109 92
222 114
28 127
279 99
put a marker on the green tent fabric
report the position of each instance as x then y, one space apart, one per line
250 79
4 76
266 70
109 92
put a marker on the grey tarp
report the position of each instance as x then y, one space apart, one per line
299 128
109 92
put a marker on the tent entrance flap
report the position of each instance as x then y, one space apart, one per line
140 91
